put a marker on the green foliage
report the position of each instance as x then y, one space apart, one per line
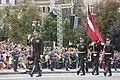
66 32
108 21
19 18
49 29
106 15
71 35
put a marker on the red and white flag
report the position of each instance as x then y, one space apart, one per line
92 31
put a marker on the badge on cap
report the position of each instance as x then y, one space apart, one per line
37 41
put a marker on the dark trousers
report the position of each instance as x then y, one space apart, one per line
15 63
87 66
82 66
107 67
95 65
36 67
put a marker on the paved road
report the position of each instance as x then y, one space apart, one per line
63 76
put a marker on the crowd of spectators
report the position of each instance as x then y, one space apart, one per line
7 60
6 54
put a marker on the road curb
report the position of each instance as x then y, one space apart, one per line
50 72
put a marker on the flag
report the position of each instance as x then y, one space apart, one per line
92 31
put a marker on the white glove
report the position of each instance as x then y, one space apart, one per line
111 58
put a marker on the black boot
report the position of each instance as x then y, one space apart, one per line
67 70
110 75
78 72
104 74
97 74
31 75
92 73
39 75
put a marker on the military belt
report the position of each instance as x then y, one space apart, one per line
94 51
107 53
82 52
94 54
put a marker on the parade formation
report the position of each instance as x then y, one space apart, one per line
82 57
60 35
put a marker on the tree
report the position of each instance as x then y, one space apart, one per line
20 18
71 35
49 29
107 18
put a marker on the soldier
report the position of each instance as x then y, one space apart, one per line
82 48
108 56
37 48
95 49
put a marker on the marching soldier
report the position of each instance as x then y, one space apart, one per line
37 48
82 48
95 49
108 55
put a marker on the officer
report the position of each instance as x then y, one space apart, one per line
82 48
37 46
95 49
15 54
108 55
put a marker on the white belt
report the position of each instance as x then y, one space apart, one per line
82 52
94 52
107 53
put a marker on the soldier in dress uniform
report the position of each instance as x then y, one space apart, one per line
95 49
82 53
37 50
108 56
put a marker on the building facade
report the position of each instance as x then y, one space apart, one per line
92 3
5 2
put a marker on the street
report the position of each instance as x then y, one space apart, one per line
62 76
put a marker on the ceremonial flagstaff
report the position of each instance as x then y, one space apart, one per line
92 31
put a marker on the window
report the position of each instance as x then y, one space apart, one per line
92 9
7 1
48 9
43 9
15 1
